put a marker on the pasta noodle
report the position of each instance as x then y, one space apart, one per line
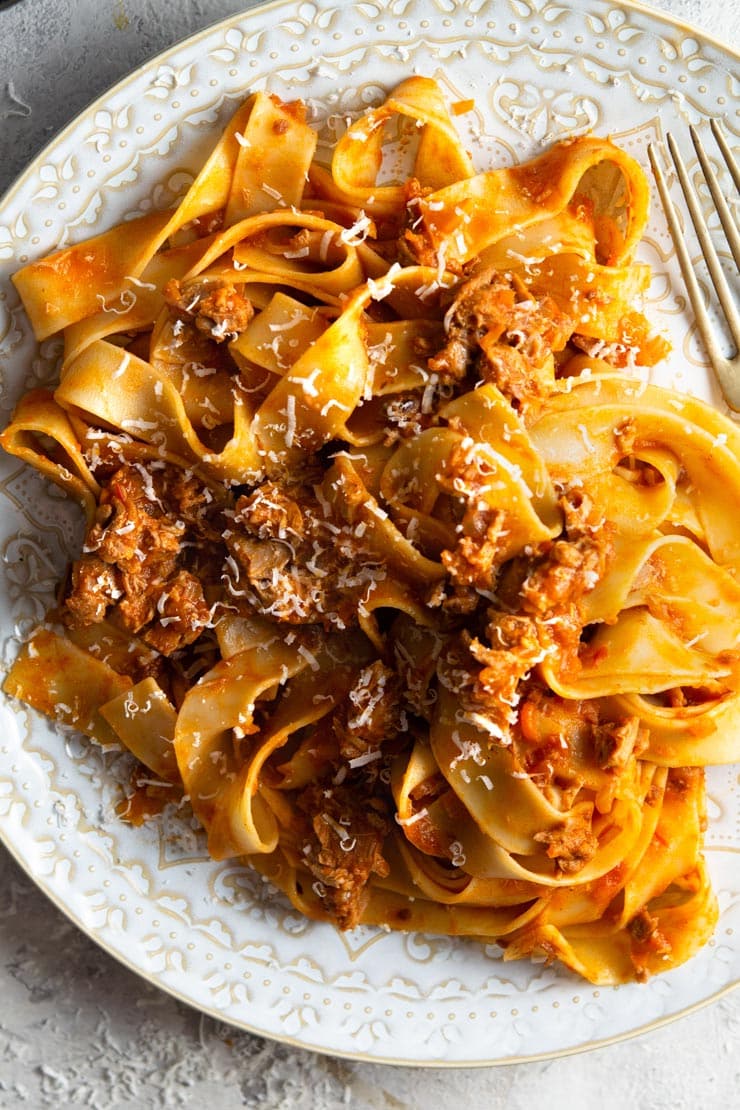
393 566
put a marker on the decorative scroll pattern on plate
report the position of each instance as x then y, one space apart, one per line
216 934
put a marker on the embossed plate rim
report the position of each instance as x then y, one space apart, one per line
249 21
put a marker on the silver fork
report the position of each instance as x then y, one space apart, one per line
726 369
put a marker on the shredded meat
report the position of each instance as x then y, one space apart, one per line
503 333
183 614
642 926
476 559
681 780
615 743
344 833
647 942
486 670
274 511
403 417
131 526
372 712
481 306
218 309
515 649
573 843
563 574
415 651
197 505
133 568
301 566
482 548
508 368
534 328
132 535
416 247
451 597
95 584
556 579
625 435
486 676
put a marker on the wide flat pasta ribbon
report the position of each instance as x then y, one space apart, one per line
38 421
508 809
66 683
358 156
151 409
540 637
580 433
470 215
238 821
77 282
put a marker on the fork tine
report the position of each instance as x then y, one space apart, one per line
707 246
723 211
726 370
727 154
692 285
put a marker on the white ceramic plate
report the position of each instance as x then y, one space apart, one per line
213 933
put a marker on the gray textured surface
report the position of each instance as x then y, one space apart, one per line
76 1029
58 55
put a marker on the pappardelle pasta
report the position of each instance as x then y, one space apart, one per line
394 568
